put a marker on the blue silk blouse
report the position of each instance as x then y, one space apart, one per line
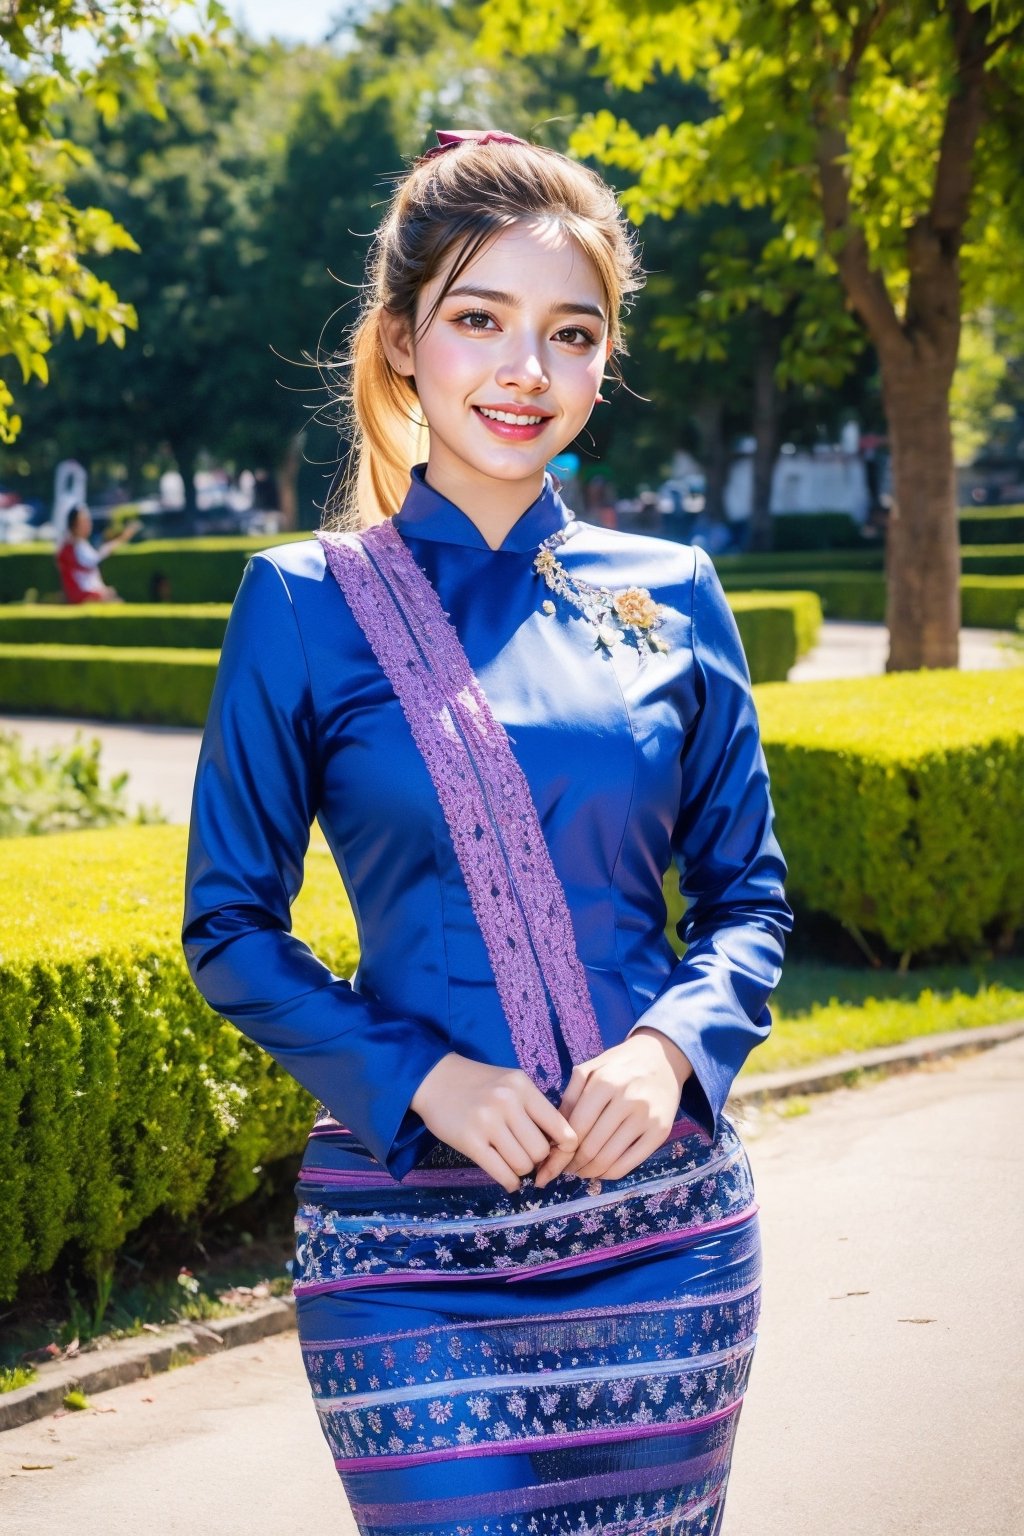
633 763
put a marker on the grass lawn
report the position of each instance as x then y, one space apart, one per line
822 1010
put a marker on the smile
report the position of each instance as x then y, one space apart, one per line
511 418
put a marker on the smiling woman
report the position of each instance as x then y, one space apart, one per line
527 1262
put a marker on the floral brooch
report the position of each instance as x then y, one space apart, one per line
630 615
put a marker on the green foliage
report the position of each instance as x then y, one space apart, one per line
988 602
56 52
57 790
864 1009
776 628
14 1376
198 626
789 86
148 686
900 802
199 570
121 1093
815 530
992 525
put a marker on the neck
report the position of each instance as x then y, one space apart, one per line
494 506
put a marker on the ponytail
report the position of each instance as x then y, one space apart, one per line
388 431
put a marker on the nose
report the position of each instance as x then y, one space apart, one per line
523 365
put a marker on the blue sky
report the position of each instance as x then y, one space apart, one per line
303 21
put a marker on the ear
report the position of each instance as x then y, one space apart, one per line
396 339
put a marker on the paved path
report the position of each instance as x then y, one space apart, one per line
161 761
860 650
887 1396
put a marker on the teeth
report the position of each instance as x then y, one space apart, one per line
510 418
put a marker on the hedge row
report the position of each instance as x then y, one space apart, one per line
975 560
987 602
121 1093
209 570
776 628
900 802
159 684
198 570
992 525
195 626
145 686
900 806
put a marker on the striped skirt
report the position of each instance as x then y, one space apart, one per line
558 1362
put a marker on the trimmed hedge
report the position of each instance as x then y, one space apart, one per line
900 802
193 627
776 628
121 1093
96 682
815 530
169 686
991 525
988 602
199 570
975 560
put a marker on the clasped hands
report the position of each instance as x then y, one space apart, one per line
617 1109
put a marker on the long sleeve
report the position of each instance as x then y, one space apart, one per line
256 795
714 1002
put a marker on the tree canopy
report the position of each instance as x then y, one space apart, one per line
52 53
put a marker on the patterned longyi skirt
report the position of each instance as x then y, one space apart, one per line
562 1362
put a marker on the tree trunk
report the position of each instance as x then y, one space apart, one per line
923 545
710 419
287 482
766 435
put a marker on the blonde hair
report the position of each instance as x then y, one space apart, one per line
448 208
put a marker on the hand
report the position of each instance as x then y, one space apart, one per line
495 1115
621 1105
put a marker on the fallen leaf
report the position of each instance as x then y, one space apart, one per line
915 1319
37 1466
147 1399
151 1328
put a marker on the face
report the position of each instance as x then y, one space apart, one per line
81 524
510 365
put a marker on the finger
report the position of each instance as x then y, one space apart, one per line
633 1156
574 1088
508 1147
495 1166
614 1149
533 1140
552 1122
597 1097
606 1125
556 1162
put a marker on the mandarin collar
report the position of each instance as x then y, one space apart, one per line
426 514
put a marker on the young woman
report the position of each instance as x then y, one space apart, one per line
528 1258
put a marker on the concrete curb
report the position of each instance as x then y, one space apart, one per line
838 1071
125 1360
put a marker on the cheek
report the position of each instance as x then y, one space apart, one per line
441 361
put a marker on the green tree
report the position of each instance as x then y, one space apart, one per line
884 139
52 53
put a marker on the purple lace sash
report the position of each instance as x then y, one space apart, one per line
516 895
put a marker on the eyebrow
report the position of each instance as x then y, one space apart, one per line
510 300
